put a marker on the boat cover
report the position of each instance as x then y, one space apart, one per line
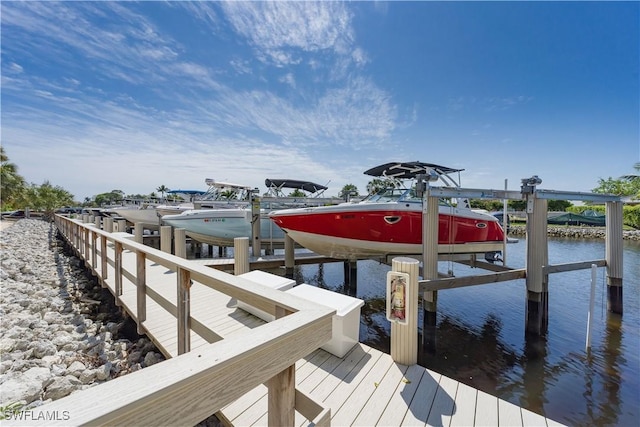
295 184
408 170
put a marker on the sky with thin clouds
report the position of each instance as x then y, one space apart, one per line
98 96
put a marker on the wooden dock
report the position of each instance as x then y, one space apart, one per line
365 387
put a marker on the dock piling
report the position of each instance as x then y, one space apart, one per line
613 256
537 280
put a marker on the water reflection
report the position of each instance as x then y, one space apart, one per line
481 339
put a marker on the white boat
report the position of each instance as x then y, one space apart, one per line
390 221
218 227
219 194
144 213
221 225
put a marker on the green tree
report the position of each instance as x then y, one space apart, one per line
559 205
634 181
162 190
297 193
378 184
348 191
47 198
108 198
626 185
12 185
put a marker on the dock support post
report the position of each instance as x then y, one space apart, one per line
241 255
108 225
103 262
404 338
256 245
94 253
122 225
289 256
184 311
613 256
430 219
97 222
141 286
139 231
351 277
118 272
281 398
165 238
537 280
180 242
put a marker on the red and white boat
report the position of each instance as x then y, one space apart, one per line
389 222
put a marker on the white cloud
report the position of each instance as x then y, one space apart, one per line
274 27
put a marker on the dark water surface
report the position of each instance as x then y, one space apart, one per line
481 342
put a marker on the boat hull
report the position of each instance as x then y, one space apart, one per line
360 231
146 214
219 227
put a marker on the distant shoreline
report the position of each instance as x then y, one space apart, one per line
576 232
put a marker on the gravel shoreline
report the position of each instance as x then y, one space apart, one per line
576 232
61 332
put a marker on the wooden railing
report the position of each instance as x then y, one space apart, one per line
189 388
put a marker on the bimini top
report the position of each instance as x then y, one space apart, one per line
190 192
295 184
408 170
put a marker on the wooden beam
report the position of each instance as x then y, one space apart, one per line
459 282
571 266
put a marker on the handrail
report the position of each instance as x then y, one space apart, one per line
195 384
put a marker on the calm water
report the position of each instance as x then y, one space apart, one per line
481 342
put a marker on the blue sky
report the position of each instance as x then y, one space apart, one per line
98 96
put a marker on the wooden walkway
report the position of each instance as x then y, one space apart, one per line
363 388
366 388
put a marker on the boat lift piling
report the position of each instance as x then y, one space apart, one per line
537 269
429 259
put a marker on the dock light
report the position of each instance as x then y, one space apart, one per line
529 184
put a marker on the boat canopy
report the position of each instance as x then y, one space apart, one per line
192 192
278 184
408 170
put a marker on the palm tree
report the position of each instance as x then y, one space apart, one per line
162 190
634 181
632 177
12 184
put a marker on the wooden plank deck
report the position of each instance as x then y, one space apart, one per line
364 388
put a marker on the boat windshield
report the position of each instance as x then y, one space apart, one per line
401 195
394 195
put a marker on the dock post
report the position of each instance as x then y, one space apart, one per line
165 238
180 242
141 287
139 231
289 256
103 262
97 221
351 277
430 219
184 311
118 272
241 255
404 337
537 311
122 225
613 256
256 243
108 225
